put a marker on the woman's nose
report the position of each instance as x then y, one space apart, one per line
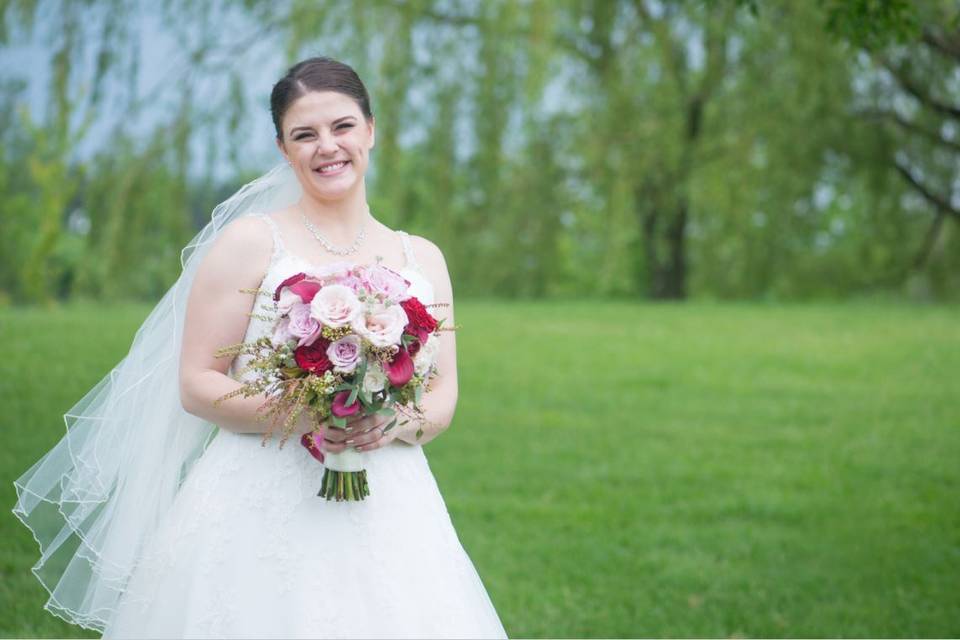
326 144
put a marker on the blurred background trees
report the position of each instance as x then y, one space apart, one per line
552 148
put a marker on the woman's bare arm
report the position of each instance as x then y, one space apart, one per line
216 316
440 403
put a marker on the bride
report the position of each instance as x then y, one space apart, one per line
160 514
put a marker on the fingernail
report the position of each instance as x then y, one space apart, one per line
349 441
348 430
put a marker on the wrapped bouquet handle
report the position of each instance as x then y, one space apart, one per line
344 476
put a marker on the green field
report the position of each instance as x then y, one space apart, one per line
620 469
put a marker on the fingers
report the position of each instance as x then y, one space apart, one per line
362 437
378 441
363 423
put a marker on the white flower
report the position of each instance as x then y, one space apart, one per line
287 300
336 306
375 379
426 356
382 326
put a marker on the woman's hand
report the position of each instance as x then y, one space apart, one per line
363 434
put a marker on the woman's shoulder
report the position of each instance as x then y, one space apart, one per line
248 237
250 230
425 250
433 265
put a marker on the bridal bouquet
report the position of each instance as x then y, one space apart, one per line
348 340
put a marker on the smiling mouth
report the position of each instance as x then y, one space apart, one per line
333 167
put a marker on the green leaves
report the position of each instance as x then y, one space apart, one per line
353 395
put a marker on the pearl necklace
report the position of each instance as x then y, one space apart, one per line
326 244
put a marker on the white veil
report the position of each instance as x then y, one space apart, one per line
95 498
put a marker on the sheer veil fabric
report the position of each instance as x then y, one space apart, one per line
93 500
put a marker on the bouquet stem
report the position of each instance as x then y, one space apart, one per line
344 478
344 485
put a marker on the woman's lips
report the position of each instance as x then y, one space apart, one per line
336 168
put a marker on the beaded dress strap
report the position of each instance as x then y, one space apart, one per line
277 238
408 251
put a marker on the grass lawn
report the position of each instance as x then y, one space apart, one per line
619 469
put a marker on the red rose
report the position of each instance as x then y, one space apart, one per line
420 323
313 357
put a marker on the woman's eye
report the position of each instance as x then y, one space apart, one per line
302 136
345 126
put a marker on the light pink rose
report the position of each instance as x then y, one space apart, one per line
384 282
345 353
336 306
382 326
302 325
332 271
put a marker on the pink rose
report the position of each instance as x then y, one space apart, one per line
333 271
384 282
352 282
383 326
336 306
302 325
345 353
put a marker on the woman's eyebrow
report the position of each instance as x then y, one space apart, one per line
340 119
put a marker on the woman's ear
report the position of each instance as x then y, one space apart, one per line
372 127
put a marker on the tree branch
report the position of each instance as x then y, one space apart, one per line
929 241
947 44
668 47
914 89
912 127
941 203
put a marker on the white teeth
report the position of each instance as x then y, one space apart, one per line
332 167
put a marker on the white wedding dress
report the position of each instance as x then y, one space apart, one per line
248 550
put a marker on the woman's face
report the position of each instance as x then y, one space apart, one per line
327 141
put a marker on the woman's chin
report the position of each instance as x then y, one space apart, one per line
332 188
326 191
